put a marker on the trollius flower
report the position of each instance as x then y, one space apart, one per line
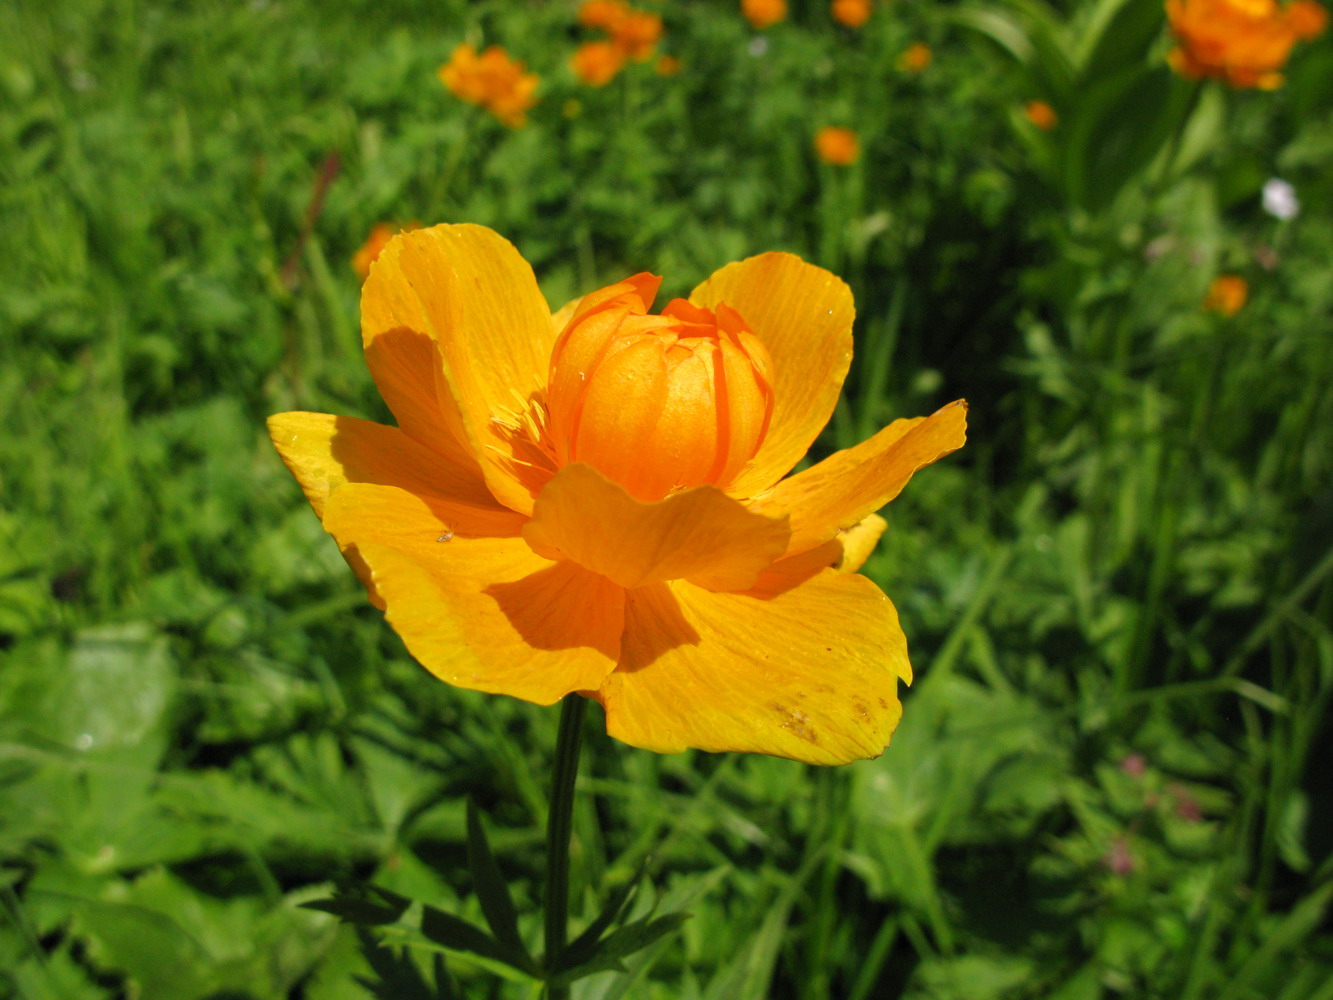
593 501
1245 43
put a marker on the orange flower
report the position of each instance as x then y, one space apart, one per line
764 13
380 234
491 80
838 146
637 34
667 66
1226 294
597 63
1041 114
593 501
853 13
1244 42
915 58
602 13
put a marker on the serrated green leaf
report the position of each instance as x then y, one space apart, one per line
492 890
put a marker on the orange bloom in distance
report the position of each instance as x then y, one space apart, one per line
491 80
852 13
593 501
838 146
597 63
1041 114
764 13
915 58
602 13
379 237
1243 42
667 65
1226 294
637 34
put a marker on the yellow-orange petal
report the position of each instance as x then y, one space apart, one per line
859 541
701 534
406 367
325 453
803 316
845 487
810 673
481 305
480 613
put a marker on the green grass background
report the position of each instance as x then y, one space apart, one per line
1112 778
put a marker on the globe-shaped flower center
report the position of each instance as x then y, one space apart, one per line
658 403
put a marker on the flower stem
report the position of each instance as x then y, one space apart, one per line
558 828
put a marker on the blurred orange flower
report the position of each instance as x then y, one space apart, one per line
380 234
491 80
593 501
1243 42
1041 114
667 66
597 63
915 58
764 13
637 34
601 13
838 146
1226 294
853 13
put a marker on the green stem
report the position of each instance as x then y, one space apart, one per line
559 826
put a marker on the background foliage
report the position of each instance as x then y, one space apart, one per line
1112 777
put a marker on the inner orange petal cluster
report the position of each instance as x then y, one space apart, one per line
658 403
1245 43
596 500
491 80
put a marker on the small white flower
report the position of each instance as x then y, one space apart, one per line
1280 199
758 46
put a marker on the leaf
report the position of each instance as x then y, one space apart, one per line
356 909
492 891
585 945
1121 35
1121 126
622 943
459 935
399 978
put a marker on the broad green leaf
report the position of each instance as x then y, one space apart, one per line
1120 35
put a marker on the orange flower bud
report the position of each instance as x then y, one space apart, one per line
839 146
853 13
915 58
1226 294
658 403
1041 114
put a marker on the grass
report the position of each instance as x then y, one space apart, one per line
1109 778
